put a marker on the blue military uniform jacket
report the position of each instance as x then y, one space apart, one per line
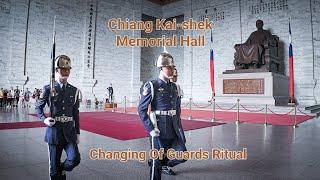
64 104
162 96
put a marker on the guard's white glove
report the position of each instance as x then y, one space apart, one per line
78 139
155 132
49 121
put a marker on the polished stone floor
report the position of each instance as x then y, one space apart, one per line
274 152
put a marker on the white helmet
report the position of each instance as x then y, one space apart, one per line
63 61
165 59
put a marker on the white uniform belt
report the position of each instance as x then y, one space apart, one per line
167 113
63 119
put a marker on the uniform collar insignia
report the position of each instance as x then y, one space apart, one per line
161 89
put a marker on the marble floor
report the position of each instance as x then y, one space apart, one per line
274 152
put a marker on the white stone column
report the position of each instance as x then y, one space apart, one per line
135 82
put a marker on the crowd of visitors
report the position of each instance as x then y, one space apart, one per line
11 98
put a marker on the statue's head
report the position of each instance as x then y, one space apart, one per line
259 24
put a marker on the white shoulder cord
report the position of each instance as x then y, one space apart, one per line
152 90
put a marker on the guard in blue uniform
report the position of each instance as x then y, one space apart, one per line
110 93
162 96
63 130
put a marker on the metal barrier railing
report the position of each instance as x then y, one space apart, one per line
238 111
226 109
212 103
237 105
281 114
259 110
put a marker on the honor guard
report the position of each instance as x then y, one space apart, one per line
63 130
163 123
110 93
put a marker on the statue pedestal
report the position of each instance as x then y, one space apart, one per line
253 88
110 105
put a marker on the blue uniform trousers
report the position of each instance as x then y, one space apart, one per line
55 152
166 144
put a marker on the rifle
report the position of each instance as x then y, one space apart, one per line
52 79
94 84
27 80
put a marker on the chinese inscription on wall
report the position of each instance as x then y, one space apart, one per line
243 86
213 14
270 6
90 38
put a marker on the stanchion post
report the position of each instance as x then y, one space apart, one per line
214 110
265 115
125 104
295 117
190 106
238 109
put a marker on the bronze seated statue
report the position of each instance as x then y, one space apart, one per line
260 51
